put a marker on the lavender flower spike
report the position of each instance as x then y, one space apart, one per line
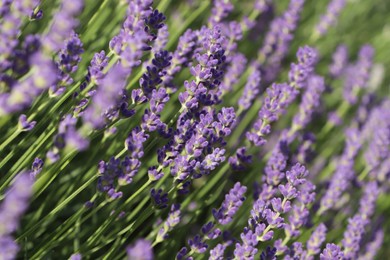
358 74
11 210
315 241
106 97
231 204
279 96
331 252
330 17
353 236
140 250
344 173
24 92
63 24
339 61
251 89
24 125
220 10
310 100
172 220
373 247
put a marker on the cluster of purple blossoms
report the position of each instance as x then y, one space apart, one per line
240 159
279 96
251 89
67 137
233 72
277 40
211 231
377 132
339 61
233 201
192 143
64 23
310 101
357 75
181 58
23 93
105 100
12 208
330 17
141 249
116 172
12 14
267 211
172 220
344 172
69 58
373 247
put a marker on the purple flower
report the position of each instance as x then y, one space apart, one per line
67 136
374 246
217 252
106 97
268 254
209 231
69 58
368 201
12 18
251 90
276 164
8 248
161 40
24 92
12 209
310 101
358 74
182 56
299 215
62 26
233 72
172 220
159 198
141 249
379 146
231 204
353 236
239 161
277 40
116 172
197 245
330 17
208 73
247 249
24 125
76 256
273 106
279 96
331 252
155 174
158 99
155 71
182 253
344 173
221 9
36 167
316 239
95 69
339 61
134 142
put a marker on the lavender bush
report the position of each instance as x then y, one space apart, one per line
225 129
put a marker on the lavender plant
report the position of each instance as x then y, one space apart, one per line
219 129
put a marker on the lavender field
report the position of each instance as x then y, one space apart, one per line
194 129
